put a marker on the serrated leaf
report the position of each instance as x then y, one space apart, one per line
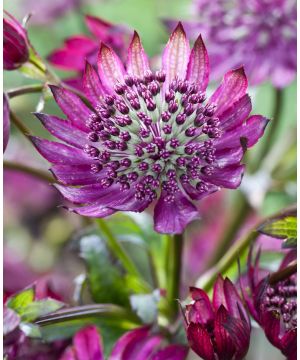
283 227
39 308
21 300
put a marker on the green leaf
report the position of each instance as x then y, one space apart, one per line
105 277
145 306
21 300
283 226
39 308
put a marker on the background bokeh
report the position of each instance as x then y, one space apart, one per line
39 237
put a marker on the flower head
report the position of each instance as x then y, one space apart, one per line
15 43
274 306
219 329
151 136
136 344
260 34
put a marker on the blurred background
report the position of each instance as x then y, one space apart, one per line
40 236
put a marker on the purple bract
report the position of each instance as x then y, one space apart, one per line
219 329
15 43
258 34
151 136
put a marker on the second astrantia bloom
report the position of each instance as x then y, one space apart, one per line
151 136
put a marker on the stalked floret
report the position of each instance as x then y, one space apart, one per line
152 135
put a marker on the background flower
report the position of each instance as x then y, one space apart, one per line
258 34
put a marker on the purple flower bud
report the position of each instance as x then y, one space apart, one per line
15 44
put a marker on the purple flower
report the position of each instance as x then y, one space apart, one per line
77 49
259 34
274 306
15 43
219 329
151 136
136 344
6 121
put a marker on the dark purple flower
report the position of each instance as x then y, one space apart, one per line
6 121
77 49
218 329
258 34
120 154
136 344
15 43
274 306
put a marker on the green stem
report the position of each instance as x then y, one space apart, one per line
117 249
173 270
36 88
19 124
207 279
38 173
241 211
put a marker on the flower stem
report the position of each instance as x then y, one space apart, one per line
30 89
207 279
173 270
38 173
19 124
241 210
117 249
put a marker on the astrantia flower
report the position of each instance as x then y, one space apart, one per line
133 345
77 49
219 329
151 136
15 43
259 34
274 306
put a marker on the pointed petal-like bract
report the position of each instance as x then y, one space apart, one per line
137 59
198 66
232 88
88 344
92 85
172 352
200 341
63 130
110 68
71 105
172 218
176 55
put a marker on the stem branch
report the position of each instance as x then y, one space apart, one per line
36 88
38 173
207 280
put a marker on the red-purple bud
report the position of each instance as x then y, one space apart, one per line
218 329
15 44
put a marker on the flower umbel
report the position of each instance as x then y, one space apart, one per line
219 329
15 43
151 136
